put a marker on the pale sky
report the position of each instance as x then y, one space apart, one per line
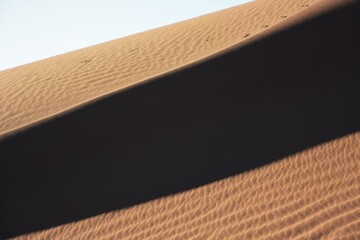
31 30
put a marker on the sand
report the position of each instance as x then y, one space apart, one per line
38 90
311 195
238 124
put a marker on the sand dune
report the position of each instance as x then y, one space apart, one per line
37 90
311 195
220 95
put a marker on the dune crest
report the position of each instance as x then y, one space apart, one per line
41 89
311 195
241 124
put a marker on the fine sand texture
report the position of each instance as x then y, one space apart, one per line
311 195
194 109
38 90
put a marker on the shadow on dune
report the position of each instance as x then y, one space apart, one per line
243 109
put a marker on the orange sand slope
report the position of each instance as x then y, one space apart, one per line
311 195
82 137
38 90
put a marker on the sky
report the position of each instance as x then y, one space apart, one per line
31 30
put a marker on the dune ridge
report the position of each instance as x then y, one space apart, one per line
313 194
41 89
272 95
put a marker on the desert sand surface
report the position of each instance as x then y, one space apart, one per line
38 90
310 195
238 124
